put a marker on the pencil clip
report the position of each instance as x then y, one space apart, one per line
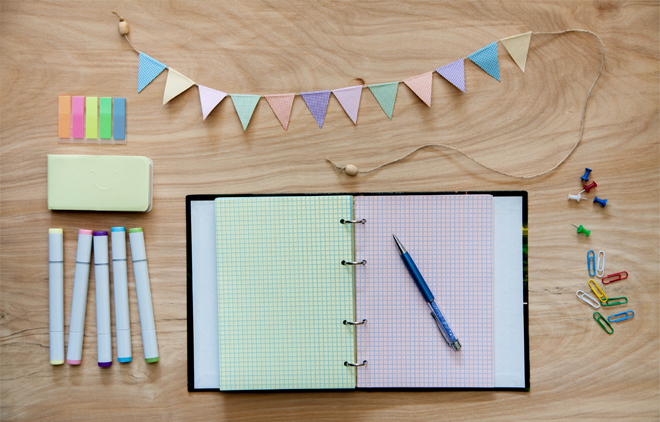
615 277
623 316
600 320
591 263
600 294
614 301
363 262
364 321
342 221
587 299
364 362
600 265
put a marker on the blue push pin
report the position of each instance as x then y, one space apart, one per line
585 178
602 202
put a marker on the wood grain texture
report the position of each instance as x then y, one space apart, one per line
525 124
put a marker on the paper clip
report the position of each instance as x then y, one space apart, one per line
615 277
600 265
614 301
587 299
591 263
599 319
598 291
623 316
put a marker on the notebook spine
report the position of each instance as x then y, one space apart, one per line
364 362
364 321
362 262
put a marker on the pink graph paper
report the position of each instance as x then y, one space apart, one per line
450 238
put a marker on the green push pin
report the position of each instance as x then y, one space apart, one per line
581 229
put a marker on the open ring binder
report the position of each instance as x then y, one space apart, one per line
364 362
342 221
363 262
364 321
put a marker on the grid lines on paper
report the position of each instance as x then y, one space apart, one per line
450 238
283 293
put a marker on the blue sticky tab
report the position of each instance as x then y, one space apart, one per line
486 58
118 229
119 119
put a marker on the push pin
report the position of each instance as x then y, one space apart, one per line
581 229
585 178
602 202
589 187
576 197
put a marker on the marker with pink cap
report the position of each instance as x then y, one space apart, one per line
79 299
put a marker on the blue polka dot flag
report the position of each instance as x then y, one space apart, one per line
486 58
148 69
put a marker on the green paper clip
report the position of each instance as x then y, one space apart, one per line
612 301
600 319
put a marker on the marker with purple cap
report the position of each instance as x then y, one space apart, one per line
102 284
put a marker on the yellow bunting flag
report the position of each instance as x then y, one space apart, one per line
175 85
518 46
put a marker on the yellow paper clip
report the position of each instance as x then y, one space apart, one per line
598 291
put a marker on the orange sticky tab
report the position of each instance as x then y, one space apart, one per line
64 117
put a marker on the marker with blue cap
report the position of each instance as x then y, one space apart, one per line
120 282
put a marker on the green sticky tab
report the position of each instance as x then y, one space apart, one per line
105 118
385 95
283 292
91 117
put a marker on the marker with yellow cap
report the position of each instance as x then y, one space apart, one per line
56 295
143 292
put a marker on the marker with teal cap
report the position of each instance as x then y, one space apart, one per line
119 278
143 290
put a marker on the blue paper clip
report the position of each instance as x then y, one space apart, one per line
591 263
623 316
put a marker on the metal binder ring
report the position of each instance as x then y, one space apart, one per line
364 362
364 321
363 262
342 221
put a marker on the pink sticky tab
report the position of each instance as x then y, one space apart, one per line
78 117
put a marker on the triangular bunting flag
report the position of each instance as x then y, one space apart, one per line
245 105
349 98
486 58
317 102
175 85
518 46
148 69
421 85
209 99
454 73
385 95
281 105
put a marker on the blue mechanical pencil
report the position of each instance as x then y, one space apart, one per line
442 323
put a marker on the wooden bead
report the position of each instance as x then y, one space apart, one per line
351 170
123 27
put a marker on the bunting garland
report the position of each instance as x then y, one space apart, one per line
349 98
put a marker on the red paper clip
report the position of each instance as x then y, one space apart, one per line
615 277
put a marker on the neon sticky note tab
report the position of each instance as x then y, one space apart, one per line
77 117
119 119
105 118
92 117
64 117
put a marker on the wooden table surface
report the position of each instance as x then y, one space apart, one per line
524 125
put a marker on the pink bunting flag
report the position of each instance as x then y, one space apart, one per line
421 85
349 98
281 105
454 73
209 98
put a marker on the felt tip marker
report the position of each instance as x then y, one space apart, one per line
102 287
143 290
56 295
79 299
119 278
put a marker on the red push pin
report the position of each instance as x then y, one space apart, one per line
589 187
